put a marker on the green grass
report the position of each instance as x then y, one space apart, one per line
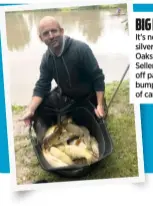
17 108
121 163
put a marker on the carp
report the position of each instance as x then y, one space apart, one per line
53 161
61 155
76 152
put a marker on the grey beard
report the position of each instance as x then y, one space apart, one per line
58 50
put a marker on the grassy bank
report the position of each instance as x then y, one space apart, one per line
121 163
17 108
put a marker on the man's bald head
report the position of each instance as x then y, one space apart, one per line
46 21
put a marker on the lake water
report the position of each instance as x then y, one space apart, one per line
103 32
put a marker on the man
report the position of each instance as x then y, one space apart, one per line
73 66
118 11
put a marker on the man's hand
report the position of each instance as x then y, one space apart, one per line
27 117
36 101
100 111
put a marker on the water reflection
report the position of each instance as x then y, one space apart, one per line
91 25
18 33
35 16
88 22
87 25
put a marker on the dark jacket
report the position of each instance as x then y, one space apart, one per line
75 71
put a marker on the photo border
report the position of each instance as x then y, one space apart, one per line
14 185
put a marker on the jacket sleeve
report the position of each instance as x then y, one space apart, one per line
91 65
43 84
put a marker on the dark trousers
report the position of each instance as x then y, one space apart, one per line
56 102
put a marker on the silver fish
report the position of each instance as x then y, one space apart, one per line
94 146
53 161
76 152
75 129
61 155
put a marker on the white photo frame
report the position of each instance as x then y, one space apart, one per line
6 75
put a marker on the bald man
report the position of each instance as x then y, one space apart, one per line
72 65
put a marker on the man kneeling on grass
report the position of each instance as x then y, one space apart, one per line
72 65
